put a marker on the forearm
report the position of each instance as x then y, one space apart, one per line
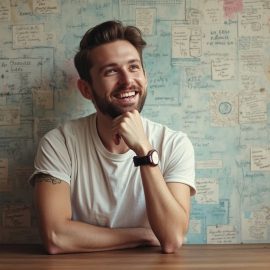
74 236
167 217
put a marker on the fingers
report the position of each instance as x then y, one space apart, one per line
125 122
128 126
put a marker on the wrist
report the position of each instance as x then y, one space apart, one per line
151 159
143 150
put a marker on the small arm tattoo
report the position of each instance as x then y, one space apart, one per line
47 178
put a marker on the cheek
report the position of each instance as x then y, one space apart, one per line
142 81
100 86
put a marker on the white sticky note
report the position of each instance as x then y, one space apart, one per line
146 20
250 20
28 35
9 116
252 108
4 10
260 158
221 234
15 216
180 42
46 7
212 11
255 225
207 191
223 69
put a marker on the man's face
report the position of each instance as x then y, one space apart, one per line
118 83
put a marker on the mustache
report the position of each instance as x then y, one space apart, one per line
122 88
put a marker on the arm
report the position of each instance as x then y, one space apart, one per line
60 234
168 205
168 208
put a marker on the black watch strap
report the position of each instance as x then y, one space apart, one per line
150 159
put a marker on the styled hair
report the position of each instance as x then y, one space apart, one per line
103 33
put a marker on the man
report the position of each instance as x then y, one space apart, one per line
91 193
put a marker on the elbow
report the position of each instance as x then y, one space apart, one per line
52 249
172 246
51 244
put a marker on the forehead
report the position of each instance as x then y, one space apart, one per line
117 52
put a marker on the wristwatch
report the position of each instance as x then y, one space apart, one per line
151 159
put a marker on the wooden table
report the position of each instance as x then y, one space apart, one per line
26 257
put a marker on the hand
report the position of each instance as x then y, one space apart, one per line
130 128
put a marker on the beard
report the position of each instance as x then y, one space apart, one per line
112 110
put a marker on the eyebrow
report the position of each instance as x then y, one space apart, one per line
115 64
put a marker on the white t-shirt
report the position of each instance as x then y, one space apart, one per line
106 188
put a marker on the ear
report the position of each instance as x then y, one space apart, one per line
84 88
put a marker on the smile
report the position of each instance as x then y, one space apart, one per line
126 95
127 98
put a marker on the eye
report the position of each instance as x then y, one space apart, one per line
134 67
110 72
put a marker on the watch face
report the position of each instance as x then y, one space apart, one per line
155 157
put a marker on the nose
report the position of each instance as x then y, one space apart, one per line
125 77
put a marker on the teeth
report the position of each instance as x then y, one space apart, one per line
128 94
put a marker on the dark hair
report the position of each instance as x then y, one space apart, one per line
105 33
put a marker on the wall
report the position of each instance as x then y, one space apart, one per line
208 64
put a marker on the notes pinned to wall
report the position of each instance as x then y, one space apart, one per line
207 64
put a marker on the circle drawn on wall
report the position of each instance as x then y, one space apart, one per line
225 107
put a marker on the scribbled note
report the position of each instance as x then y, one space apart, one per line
221 234
251 19
28 36
15 216
252 108
186 42
212 11
255 224
207 191
4 10
46 7
146 20
260 158
9 116
180 42
223 69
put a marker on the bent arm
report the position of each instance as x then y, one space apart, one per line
60 234
168 207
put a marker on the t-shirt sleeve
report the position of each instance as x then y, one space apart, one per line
180 162
52 157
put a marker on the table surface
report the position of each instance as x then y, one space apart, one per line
251 256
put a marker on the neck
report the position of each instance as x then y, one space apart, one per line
104 129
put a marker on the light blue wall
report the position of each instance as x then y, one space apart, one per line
208 67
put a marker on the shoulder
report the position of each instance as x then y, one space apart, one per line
70 128
79 124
